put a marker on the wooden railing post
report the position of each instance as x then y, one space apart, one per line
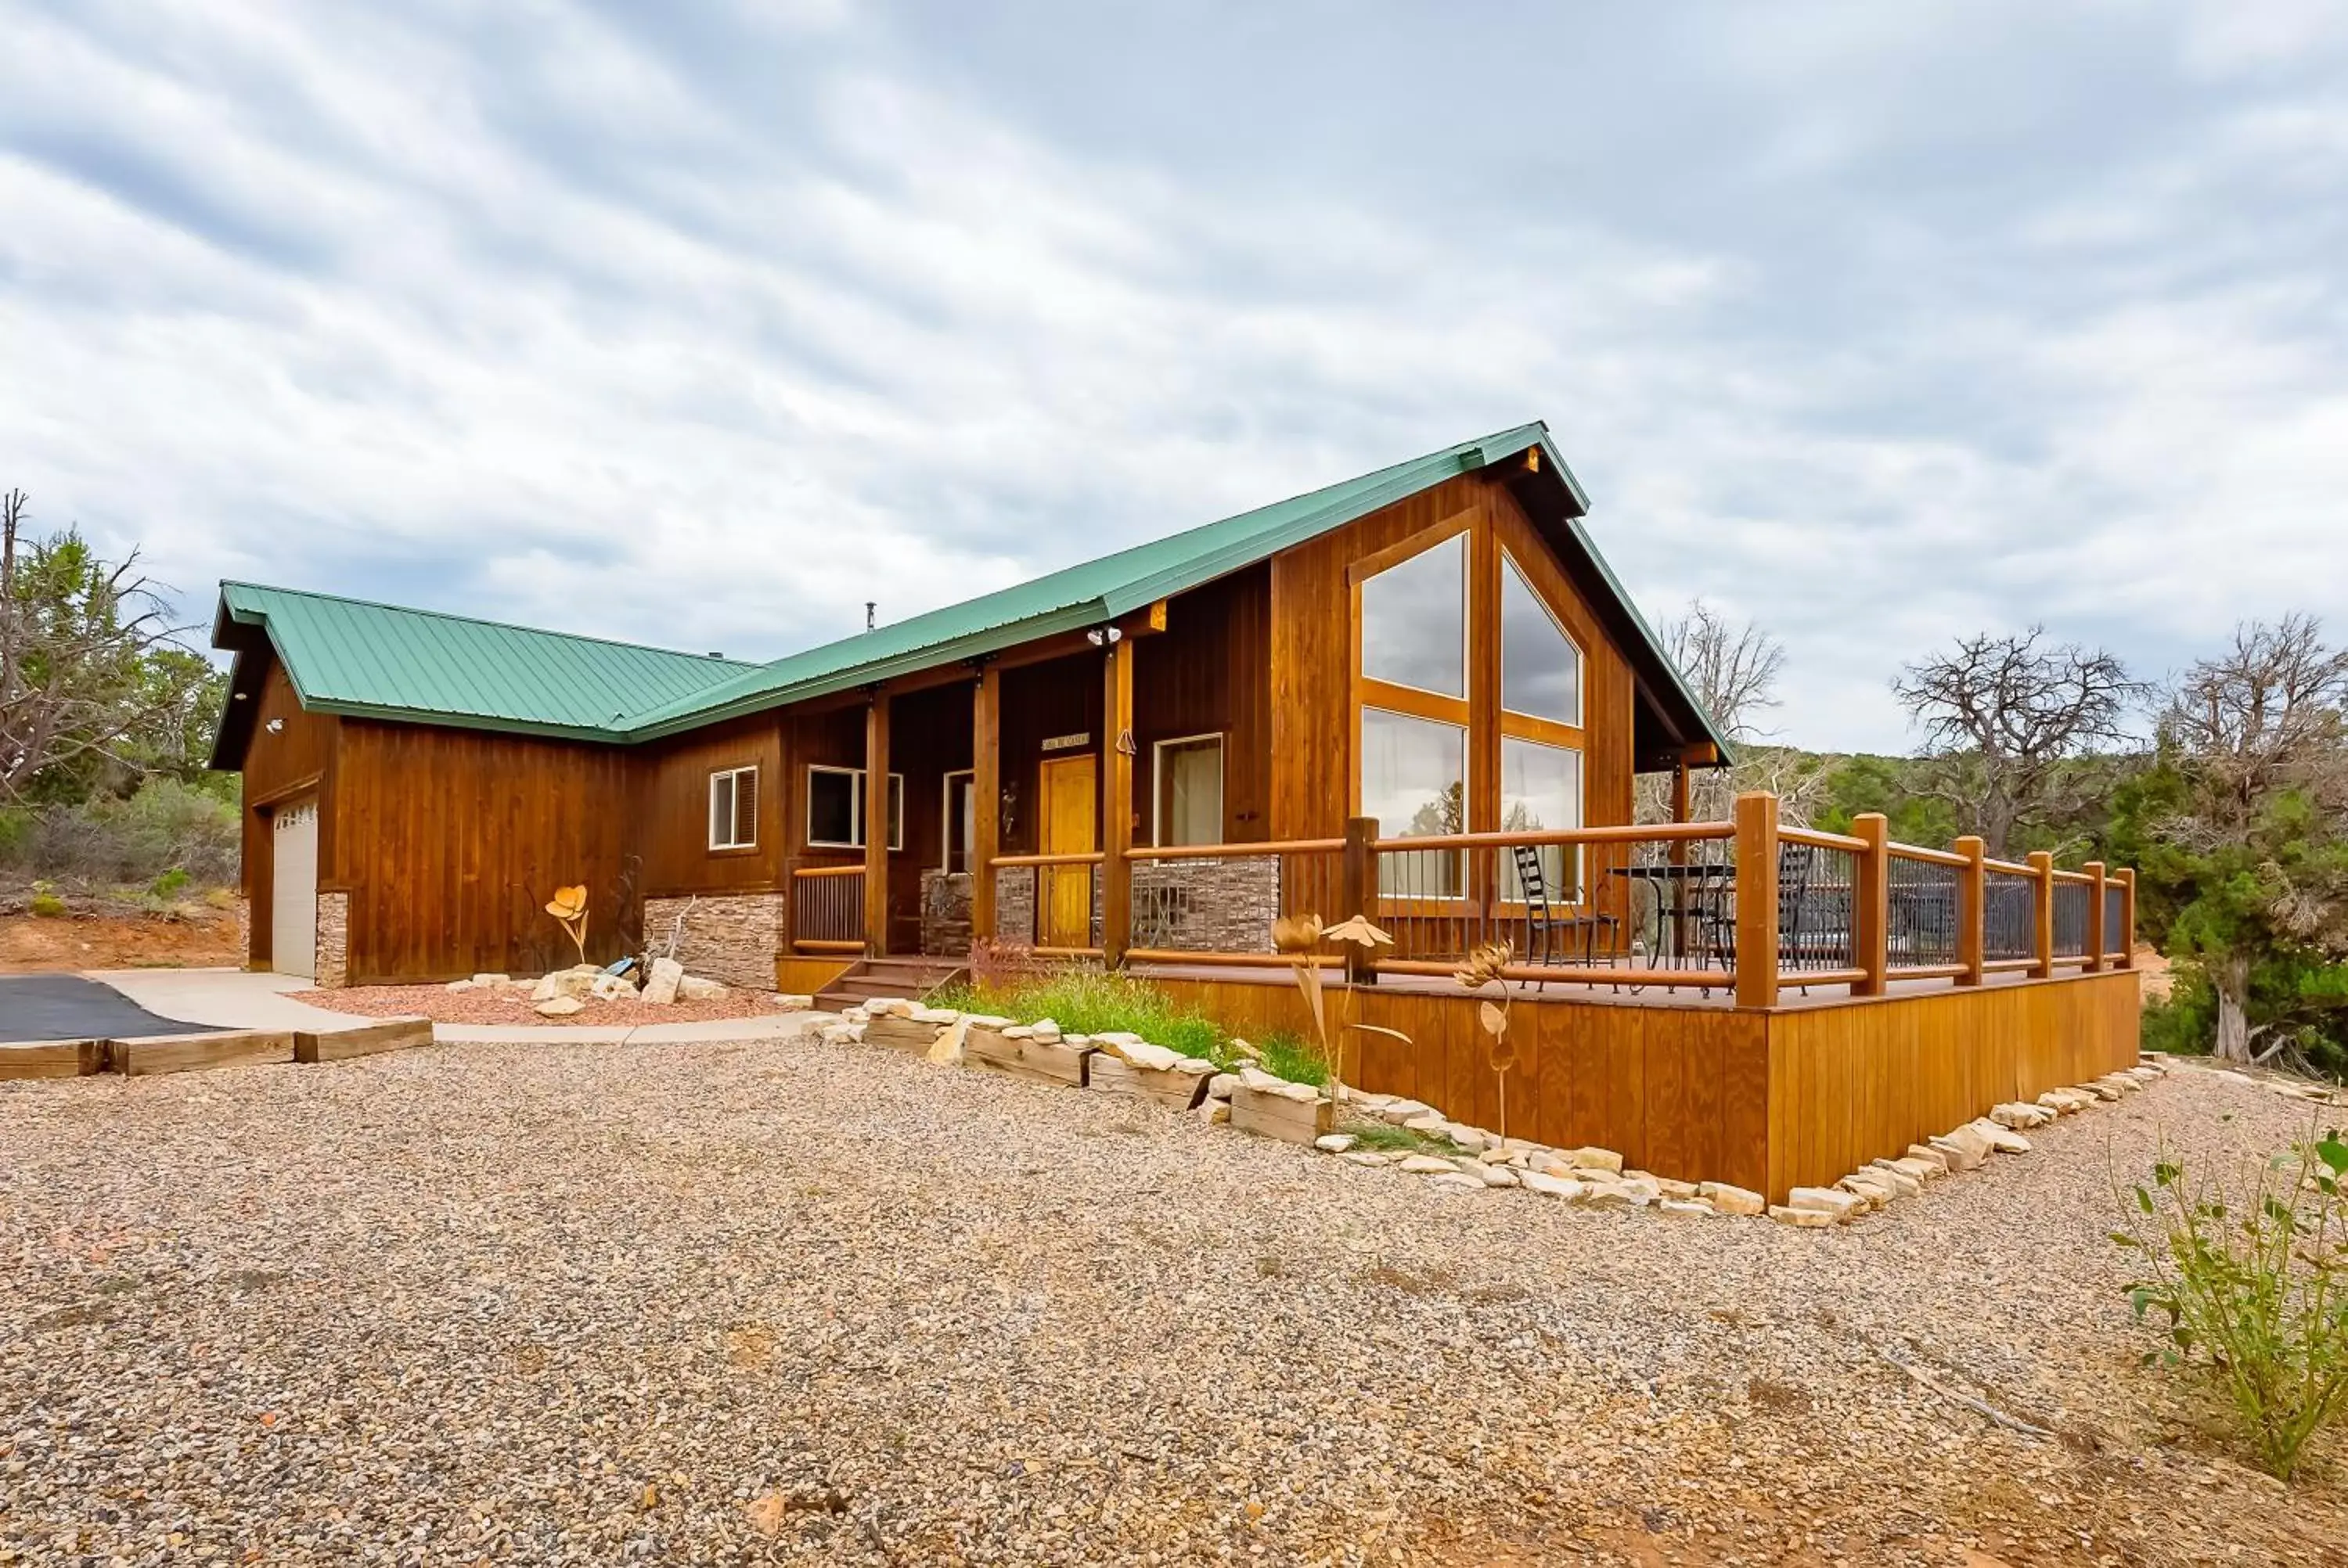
2127 917
1756 900
2042 866
1357 875
1870 902
1972 909
2095 933
1116 803
986 799
876 825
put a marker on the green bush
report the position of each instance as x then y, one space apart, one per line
2256 1281
45 902
1092 1001
167 827
2185 1023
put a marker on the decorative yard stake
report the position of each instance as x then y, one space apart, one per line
1298 936
569 908
1484 967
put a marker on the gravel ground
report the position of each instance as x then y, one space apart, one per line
805 1303
512 1006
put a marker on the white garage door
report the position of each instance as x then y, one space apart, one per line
294 889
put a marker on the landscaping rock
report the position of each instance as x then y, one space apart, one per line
947 1052
1294 1112
1371 1157
1427 1165
1474 1140
611 988
1965 1149
1931 1157
1593 1160
1732 1200
1685 1206
1221 1085
2020 1117
1044 1028
1802 1219
696 988
1901 1183
1334 1142
561 1007
1401 1113
491 977
1494 1175
1919 1170
660 986
462 985
1840 1204
561 983
1550 1186
1608 1195
2006 1141
1459 1180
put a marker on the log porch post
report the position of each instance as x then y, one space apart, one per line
876 825
1972 907
2095 932
1756 900
986 798
2041 865
1870 902
1358 893
1116 802
2127 917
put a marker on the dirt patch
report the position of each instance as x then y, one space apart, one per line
199 937
513 1006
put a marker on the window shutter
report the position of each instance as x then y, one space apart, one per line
746 806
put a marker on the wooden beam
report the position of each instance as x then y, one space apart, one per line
876 825
2042 866
1358 893
1973 905
1756 900
2096 935
1680 790
1870 913
986 798
1116 802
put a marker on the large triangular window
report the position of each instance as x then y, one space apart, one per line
1540 669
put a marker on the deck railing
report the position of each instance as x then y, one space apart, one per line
827 908
1681 905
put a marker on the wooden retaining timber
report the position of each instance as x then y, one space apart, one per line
1175 1089
366 1039
142 1057
52 1059
1042 1061
1271 1115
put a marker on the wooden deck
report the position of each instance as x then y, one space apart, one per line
1695 1087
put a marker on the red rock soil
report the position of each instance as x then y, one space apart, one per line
205 939
503 1006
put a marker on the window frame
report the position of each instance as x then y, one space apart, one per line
1579 722
1158 784
946 819
857 817
733 809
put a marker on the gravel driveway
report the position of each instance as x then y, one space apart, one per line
808 1303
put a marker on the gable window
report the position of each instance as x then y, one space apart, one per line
836 807
1414 621
1414 718
1189 791
1540 669
734 809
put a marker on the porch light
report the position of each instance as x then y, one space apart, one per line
1100 636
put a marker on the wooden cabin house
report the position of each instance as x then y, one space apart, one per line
1417 695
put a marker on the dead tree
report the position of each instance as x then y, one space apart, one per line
2002 716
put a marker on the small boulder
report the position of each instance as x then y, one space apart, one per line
2006 1141
1402 1112
461 984
1334 1142
1428 1166
1221 1085
560 983
490 978
1731 1200
667 974
1840 1204
1685 1206
1593 1160
1459 1179
561 1007
1931 1157
1550 1186
696 988
1371 1157
1802 1219
1494 1175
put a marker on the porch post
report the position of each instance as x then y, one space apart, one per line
2095 932
1870 902
1116 803
1357 875
1756 900
2127 875
2042 866
986 798
1973 903
876 825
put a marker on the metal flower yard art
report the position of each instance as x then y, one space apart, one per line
1488 966
1300 937
569 908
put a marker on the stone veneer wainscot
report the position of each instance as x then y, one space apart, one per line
734 936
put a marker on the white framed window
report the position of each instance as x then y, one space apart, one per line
960 820
734 809
1187 789
835 808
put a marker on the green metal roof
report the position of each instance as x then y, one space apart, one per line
378 660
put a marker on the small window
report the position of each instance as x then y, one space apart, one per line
961 819
1189 774
836 808
734 809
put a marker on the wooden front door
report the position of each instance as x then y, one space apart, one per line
1070 815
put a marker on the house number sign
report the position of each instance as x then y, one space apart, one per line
1068 743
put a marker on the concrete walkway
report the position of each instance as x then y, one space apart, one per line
239 999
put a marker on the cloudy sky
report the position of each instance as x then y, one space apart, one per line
702 324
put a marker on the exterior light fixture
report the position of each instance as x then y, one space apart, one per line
276 726
1100 636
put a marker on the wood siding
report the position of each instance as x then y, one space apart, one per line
449 841
1772 1100
1209 672
674 824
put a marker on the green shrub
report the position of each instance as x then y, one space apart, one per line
45 902
169 885
1093 1001
167 825
2255 1280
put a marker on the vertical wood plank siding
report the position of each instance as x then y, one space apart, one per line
448 841
1796 1096
305 748
673 835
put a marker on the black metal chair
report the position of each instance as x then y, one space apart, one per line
1544 925
1795 863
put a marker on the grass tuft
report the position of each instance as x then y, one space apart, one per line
1286 1056
1090 1001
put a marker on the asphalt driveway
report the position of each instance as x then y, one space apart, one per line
67 1007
